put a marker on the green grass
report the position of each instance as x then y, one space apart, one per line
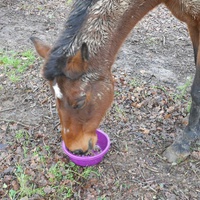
134 82
60 178
160 87
19 134
14 64
69 2
183 89
182 93
61 173
58 175
27 188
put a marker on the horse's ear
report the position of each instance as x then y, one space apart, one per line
41 47
77 64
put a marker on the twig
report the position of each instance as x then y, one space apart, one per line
195 173
7 109
152 169
7 127
163 40
117 135
51 109
184 194
47 117
43 141
152 189
58 123
9 155
17 122
114 171
159 156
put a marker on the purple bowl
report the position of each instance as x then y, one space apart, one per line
103 142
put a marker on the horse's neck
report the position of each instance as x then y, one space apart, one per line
111 32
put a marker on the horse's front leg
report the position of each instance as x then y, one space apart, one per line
181 147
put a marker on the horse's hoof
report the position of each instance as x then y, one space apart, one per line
177 152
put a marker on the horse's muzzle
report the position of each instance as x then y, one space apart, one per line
81 152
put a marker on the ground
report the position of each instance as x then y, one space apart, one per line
153 73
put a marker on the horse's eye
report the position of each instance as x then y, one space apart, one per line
80 102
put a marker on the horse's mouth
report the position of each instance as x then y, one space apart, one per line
81 152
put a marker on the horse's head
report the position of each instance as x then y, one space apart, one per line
83 94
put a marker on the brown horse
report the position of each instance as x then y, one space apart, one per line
78 66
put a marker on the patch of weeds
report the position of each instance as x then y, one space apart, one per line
183 89
119 110
66 175
117 183
43 159
12 194
69 2
125 186
63 190
55 173
117 94
101 198
19 135
47 148
151 41
27 188
14 77
189 106
27 58
15 64
88 171
134 83
159 120
71 171
162 88
25 149
37 152
22 136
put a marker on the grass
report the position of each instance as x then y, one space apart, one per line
14 64
183 89
160 87
69 2
134 82
119 112
20 134
26 187
61 177
61 174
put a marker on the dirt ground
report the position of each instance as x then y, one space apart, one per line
148 112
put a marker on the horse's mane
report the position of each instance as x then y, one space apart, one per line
64 46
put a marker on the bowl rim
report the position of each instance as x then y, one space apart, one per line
88 158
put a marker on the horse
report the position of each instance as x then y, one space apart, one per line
78 67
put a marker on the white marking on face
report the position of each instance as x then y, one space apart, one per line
66 130
57 91
99 95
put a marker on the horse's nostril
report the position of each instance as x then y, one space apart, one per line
78 152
